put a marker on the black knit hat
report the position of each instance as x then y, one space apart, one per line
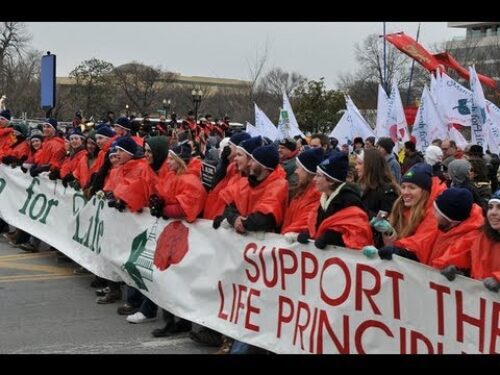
455 204
310 159
182 151
251 144
335 167
127 144
267 156
239 137
386 143
124 122
289 143
5 114
421 175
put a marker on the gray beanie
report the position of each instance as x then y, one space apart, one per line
459 171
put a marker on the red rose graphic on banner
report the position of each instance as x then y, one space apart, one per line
172 245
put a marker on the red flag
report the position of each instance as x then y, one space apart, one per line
413 49
448 61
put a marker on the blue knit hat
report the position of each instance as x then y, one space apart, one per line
267 156
127 144
6 114
182 151
52 122
105 131
310 159
421 175
75 131
495 197
335 167
455 204
239 137
124 122
249 145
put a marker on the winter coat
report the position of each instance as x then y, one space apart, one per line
299 209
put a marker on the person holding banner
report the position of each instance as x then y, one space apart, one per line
412 223
258 202
53 151
482 259
18 151
340 218
306 198
225 175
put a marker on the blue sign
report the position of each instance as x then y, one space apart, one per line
48 82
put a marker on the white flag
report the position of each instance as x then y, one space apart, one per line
351 125
459 139
291 116
264 125
428 124
454 101
396 119
494 116
252 130
382 106
479 114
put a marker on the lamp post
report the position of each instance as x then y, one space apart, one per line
126 110
197 94
166 107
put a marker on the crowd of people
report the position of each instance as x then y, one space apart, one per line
440 208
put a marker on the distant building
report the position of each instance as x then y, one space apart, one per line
207 84
480 46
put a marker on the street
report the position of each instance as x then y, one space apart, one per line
46 308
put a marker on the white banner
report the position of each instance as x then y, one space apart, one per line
479 115
295 130
454 100
264 291
381 129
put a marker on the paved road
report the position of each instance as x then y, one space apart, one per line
45 308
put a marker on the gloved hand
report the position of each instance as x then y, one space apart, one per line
370 251
75 184
225 224
382 226
327 238
386 252
35 171
100 194
451 272
303 237
24 168
156 205
54 174
9 159
226 151
291 237
109 195
217 221
112 203
120 205
492 284
67 179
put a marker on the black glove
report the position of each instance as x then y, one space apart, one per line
120 205
226 151
75 184
492 284
156 205
303 237
327 238
386 252
217 221
34 171
54 174
451 272
109 195
67 179
24 169
37 169
9 159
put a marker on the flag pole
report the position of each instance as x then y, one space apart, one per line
385 62
412 69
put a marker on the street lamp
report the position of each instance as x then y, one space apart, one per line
166 107
197 94
126 110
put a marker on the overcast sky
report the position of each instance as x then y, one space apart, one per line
313 49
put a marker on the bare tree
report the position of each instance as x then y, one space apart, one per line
93 89
141 84
277 81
